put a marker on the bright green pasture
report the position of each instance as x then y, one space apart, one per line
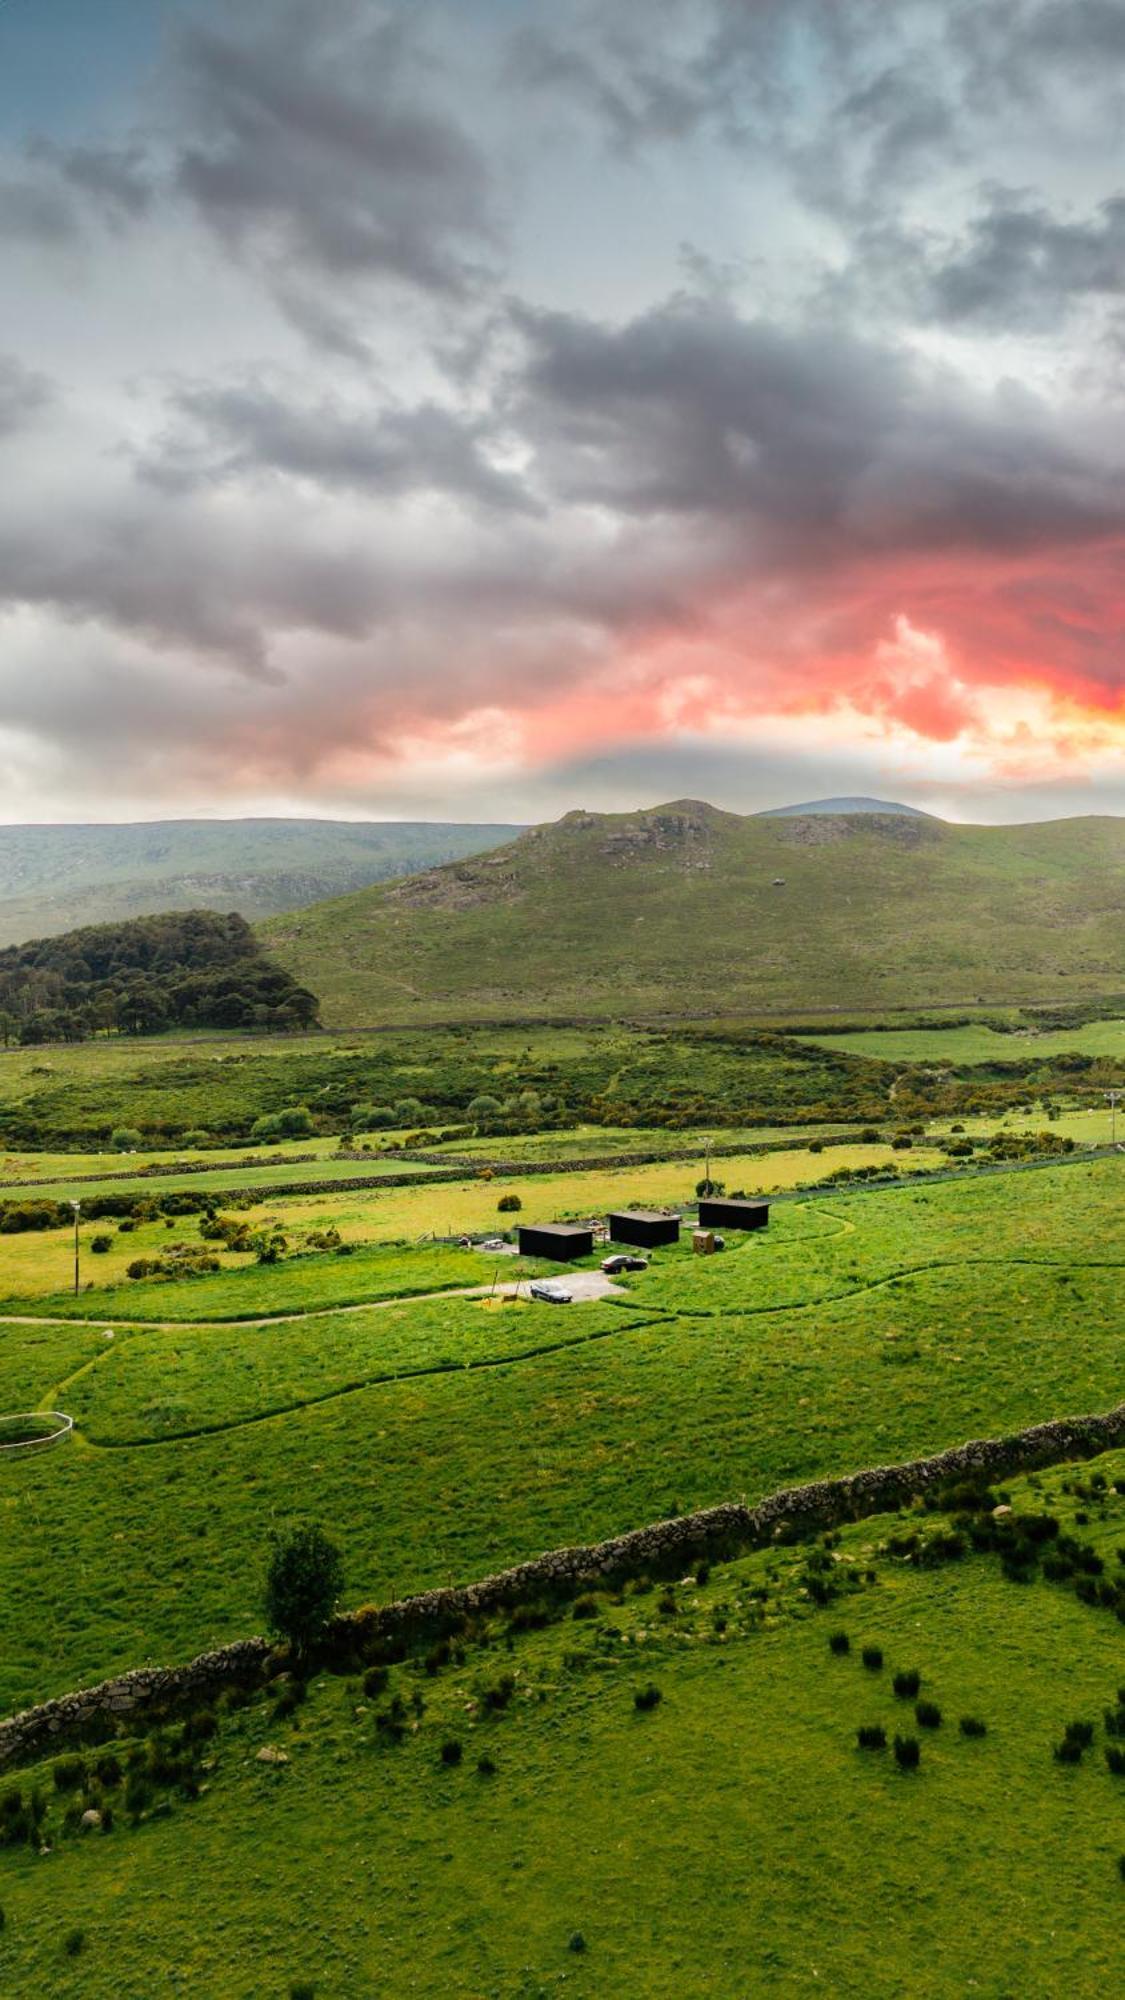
732 1841
977 1043
859 1329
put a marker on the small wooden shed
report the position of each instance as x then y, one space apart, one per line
645 1229
715 1212
562 1242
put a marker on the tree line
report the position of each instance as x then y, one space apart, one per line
181 969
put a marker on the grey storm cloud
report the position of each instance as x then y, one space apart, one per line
820 444
312 141
24 394
1020 265
235 432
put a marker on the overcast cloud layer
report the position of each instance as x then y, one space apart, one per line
476 410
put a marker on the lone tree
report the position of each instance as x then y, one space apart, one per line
303 1582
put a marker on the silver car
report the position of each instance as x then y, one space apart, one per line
550 1292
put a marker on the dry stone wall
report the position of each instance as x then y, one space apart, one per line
715 1534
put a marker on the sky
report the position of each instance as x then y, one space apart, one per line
476 409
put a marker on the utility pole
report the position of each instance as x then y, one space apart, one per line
1111 1097
77 1207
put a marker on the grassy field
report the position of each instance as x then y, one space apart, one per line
978 1044
732 1840
649 913
861 1328
41 1266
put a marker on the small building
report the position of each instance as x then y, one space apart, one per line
716 1212
703 1242
644 1228
562 1242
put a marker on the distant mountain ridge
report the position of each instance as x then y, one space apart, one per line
688 910
842 806
55 878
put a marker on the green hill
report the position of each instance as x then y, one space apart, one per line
691 911
53 878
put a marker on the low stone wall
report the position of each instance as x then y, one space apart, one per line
666 1548
95 1711
720 1533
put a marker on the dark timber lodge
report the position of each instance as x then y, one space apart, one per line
718 1214
560 1241
643 1228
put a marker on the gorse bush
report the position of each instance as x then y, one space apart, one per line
872 1657
908 1753
839 1643
907 1685
647 1698
871 1736
927 1714
971 1725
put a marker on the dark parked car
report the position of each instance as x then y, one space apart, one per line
621 1261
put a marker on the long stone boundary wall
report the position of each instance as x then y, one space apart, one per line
716 1534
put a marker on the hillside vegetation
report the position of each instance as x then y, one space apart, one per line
53 878
688 910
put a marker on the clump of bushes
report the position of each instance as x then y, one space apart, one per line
508 1204
906 1685
647 1698
839 1643
971 1725
908 1753
451 1751
871 1736
927 1714
872 1657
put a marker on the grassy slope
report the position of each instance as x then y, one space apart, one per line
53 878
732 1841
860 1329
658 911
977 1044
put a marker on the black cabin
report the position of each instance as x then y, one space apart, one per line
717 1213
642 1228
560 1241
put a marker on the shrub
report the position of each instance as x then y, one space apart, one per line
907 1685
971 1725
69 1773
927 1715
486 1766
1068 1752
1081 1733
451 1751
871 1736
585 1607
1115 1758
577 1942
646 1698
125 1139
908 1753
872 1657
100 1244
74 1942
839 1643
508 1204
302 1989
375 1680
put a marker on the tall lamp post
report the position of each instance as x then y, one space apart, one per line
77 1207
1112 1097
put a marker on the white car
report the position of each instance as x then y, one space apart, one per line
550 1292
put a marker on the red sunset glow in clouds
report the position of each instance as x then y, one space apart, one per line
428 412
